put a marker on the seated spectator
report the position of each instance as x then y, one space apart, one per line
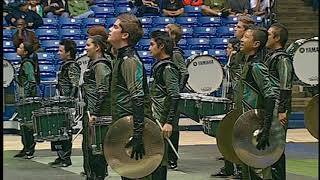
35 6
172 8
147 7
258 7
239 7
215 8
24 35
80 8
55 8
192 2
33 20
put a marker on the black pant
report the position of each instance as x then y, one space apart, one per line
228 167
159 174
279 168
175 141
64 153
27 140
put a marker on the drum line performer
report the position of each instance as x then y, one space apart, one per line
130 93
281 71
28 79
97 96
164 92
68 81
175 32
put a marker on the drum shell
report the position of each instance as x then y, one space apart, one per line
25 108
189 106
51 124
97 133
60 101
211 106
210 125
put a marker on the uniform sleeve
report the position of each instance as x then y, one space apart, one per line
102 75
178 60
74 74
171 80
30 83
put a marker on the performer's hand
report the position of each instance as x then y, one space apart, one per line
137 147
283 118
167 130
263 140
92 119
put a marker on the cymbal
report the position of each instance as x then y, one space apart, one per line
311 116
224 136
118 157
244 141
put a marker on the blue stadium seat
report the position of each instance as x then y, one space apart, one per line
225 31
219 54
74 23
146 33
103 12
192 11
8 46
147 63
258 19
187 32
182 43
143 44
12 57
4 22
47 34
74 34
145 54
229 20
162 21
48 89
7 34
218 43
49 23
104 3
188 53
154 29
81 44
46 56
110 21
47 72
121 9
146 22
187 21
204 32
88 22
206 21
50 45
121 3
198 43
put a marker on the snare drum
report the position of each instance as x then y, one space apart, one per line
60 101
97 132
210 124
83 62
211 106
25 108
189 105
305 53
205 74
51 124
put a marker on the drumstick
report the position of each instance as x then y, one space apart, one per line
170 143
77 134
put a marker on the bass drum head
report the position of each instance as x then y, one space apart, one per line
83 62
8 73
205 74
305 60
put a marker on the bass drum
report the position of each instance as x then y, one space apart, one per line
305 53
8 73
205 74
83 62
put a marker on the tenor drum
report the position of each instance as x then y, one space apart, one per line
83 62
205 74
211 106
210 124
51 124
25 108
60 101
97 132
188 105
305 53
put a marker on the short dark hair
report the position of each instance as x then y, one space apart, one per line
282 32
131 24
234 42
69 46
162 37
260 34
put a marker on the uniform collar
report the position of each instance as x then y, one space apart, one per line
126 51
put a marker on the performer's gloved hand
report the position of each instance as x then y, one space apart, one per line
225 13
137 146
263 139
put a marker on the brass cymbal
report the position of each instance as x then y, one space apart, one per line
244 141
118 157
311 116
224 136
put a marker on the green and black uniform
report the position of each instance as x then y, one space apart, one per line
178 60
130 93
68 82
258 92
165 97
281 71
97 96
28 78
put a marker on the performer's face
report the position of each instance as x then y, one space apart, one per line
229 49
247 42
272 39
239 30
62 53
115 34
21 51
154 49
91 48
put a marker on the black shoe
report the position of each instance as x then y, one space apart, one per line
173 165
55 162
63 163
220 159
83 174
20 154
221 174
28 156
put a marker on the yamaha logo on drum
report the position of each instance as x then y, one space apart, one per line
309 50
203 62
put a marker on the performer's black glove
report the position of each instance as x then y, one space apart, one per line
137 146
263 136
225 13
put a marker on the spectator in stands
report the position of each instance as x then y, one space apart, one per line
33 20
81 8
239 7
36 6
215 8
24 35
192 2
258 7
147 7
172 8
54 8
